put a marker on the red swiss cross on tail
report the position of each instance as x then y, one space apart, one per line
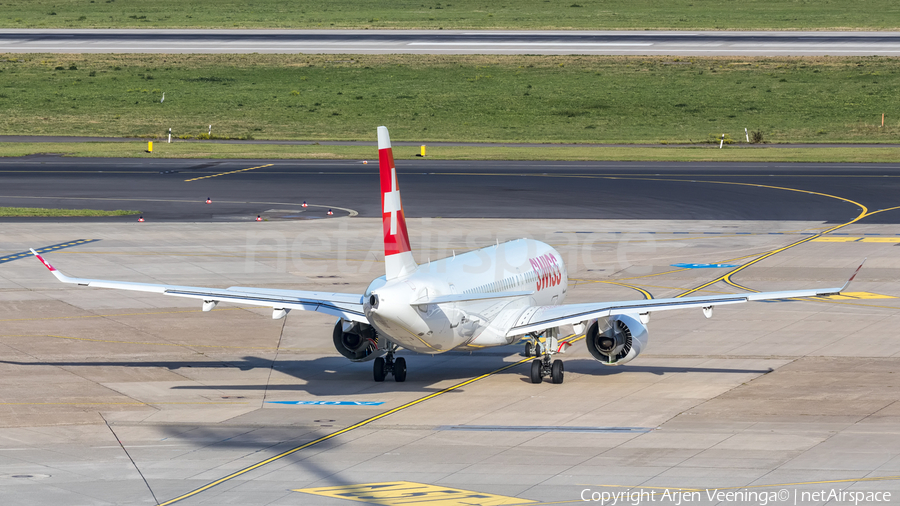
398 258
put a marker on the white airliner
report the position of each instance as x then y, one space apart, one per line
493 296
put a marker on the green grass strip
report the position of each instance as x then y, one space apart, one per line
558 99
704 153
455 14
40 212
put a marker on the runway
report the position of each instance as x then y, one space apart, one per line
113 397
448 42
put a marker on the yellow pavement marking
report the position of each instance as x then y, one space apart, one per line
836 238
409 493
727 276
230 172
856 296
881 239
342 431
865 213
832 238
645 293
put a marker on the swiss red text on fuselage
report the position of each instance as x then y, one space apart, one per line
547 269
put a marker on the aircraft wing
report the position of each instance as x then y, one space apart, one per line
538 318
343 305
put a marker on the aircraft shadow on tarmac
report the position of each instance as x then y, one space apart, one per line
324 375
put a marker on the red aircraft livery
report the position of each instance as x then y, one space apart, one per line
547 269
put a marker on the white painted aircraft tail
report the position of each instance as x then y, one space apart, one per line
398 258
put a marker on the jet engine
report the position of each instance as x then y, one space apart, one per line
616 340
356 341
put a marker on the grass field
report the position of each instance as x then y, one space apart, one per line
702 153
40 212
458 98
462 14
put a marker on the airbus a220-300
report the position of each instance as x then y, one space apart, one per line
493 296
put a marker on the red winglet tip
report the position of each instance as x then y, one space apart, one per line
46 263
857 270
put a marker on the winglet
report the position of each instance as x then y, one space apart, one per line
60 276
853 276
39 257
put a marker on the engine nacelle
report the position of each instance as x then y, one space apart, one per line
616 340
356 341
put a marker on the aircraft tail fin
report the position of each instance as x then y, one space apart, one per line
398 258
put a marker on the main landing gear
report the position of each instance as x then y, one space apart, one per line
544 365
389 365
533 349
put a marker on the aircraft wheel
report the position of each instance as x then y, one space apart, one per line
537 349
400 370
536 376
556 372
378 369
529 349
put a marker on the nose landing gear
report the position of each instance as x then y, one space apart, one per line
388 365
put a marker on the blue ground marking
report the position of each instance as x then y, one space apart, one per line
328 403
702 266
62 245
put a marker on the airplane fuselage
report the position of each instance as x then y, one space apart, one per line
523 265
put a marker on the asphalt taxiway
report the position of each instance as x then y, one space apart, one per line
243 189
110 397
